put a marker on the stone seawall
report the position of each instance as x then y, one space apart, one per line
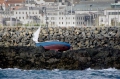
37 58
94 47
84 37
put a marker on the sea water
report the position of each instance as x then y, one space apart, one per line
15 73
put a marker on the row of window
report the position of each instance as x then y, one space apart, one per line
26 12
113 13
60 13
52 23
67 18
22 17
51 13
72 23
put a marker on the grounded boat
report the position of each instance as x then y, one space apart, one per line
54 45
51 45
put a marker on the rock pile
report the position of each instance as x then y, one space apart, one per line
78 37
37 58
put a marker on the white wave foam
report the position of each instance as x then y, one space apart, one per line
89 69
55 70
109 69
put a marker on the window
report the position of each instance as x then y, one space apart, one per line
118 12
101 20
16 12
19 12
60 13
83 18
23 12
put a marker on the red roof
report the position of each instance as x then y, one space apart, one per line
6 2
14 1
1 1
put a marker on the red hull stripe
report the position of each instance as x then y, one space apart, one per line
56 47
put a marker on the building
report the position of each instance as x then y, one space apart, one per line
57 13
111 17
28 14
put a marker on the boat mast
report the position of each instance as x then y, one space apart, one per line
71 11
58 11
28 14
10 16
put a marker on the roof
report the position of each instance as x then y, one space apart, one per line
16 7
115 4
1 1
14 1
6 2
30 8
30 2
49 0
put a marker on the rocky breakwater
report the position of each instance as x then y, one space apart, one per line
78 37
16 36
37 58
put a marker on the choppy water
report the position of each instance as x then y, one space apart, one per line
59 74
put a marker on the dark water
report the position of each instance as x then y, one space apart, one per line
9 73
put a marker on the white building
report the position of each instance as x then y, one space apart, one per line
24 14
61 17
56 14
42 2
111 16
